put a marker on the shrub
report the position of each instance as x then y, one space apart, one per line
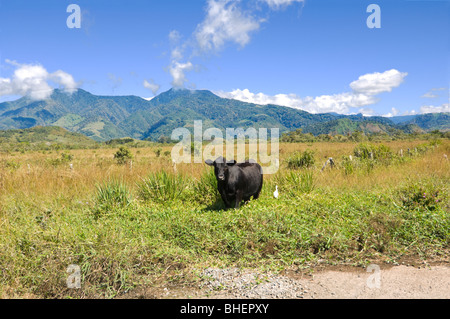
123 155
65 158
12 165
205 189
421 195
112 195
294 183
161 186
301 160
372 154
348 165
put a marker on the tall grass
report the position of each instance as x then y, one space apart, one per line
301 159
51 217
161 187
205 188
112 195
294 183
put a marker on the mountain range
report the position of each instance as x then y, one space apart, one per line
106 117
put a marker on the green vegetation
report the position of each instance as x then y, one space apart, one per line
43 138
301 160
161 187
123 155
134 227
103 118
111 196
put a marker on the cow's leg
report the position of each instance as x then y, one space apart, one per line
224 198
255 196
239 195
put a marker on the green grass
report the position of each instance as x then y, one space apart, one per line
166 226
116 251
161 187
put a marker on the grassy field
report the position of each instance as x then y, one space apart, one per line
133 224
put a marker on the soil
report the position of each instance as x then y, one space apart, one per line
404 281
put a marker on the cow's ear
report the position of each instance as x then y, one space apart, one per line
209 162
231 162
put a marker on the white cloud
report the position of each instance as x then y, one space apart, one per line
431 95
225 22
65 80
33 80
392 113
413 112
339 103
277 4
174 36
364 94
366 111
435 109
376 83
177 70
152 86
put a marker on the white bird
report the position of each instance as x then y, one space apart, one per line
275 193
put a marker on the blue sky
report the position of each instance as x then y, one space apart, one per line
316 55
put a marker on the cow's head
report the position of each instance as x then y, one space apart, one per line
220 167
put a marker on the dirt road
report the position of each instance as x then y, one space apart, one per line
397 282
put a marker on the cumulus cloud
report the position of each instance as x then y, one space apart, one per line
435 109
152 86
376 83
392 113
178 72
339 103
364 93
225 22
33 80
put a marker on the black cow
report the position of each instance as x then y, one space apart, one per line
237 181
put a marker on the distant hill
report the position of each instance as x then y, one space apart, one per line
44 137
109 117
369 125
428 122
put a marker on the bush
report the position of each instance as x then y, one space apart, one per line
123 155
369 151
205 189
161 186
65 158
12 165
348 165
373 154
301 160
421 195
112 195
294 183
